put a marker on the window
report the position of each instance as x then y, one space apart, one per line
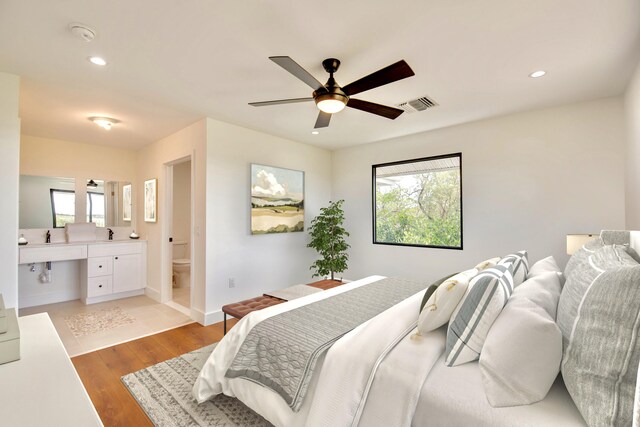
95 208
63 207
419 202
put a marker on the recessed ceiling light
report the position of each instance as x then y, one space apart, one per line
314 132
97 60
104 122
537 74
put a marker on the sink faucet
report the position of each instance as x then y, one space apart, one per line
110 233
48 236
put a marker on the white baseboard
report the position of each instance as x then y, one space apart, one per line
49 298
111 297
152 293
206 319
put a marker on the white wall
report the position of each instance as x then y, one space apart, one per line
9 164
632 113
182 202
262 262
152 163
528 180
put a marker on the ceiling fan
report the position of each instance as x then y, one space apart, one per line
330 98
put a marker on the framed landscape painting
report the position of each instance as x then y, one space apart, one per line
277 200
151 200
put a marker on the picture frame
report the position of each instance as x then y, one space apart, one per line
151 200
277 199
126 202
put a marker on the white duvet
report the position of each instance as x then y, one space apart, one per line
360 380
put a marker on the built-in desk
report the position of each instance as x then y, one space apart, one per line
43 388
109 269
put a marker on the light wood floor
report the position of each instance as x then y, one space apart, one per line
101 370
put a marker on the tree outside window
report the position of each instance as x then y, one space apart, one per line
419 202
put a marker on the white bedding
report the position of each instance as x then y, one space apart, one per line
343 378
379 375
455 397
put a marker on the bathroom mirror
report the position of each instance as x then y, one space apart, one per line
109 203
46 202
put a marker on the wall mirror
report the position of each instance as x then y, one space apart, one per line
50 202
109 203
46 202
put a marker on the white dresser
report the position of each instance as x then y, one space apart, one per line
43 388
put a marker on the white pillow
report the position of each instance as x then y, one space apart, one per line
487 263
443 301
521 356
545 265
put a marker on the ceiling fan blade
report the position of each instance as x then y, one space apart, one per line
294 68
381 110
394 72
323 120
279 101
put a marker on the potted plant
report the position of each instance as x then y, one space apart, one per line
328 239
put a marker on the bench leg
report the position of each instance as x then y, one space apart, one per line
225 323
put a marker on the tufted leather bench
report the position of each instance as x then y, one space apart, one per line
242 308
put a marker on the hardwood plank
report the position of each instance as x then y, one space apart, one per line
150 351
112 400
100 371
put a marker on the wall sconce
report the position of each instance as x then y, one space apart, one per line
576 241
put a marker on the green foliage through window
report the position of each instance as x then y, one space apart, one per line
419 202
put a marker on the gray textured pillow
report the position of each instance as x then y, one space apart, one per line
581 257
603 259
600 365
521 357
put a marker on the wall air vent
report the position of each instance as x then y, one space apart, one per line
419 104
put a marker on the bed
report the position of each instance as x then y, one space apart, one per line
380 374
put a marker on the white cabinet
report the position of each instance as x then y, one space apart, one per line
127 272
114 270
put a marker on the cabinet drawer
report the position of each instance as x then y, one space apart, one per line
102 285
100 266
110 249
62 252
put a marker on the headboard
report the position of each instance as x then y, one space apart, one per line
635 240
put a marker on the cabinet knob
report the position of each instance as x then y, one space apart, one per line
99 266
99 286
116 257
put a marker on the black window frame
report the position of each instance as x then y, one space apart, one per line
401 162
90 200
53 204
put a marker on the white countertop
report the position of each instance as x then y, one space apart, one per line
43 387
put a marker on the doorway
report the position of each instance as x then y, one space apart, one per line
180 240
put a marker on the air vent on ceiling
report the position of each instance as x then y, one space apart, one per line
419 104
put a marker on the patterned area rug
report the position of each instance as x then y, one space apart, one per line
98 321
164 392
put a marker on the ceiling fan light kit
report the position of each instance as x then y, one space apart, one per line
330 98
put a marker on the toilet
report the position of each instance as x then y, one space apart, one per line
181 265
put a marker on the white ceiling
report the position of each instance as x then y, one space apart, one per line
174 62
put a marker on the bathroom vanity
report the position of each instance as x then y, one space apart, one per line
109 270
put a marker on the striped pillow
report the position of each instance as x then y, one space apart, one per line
519 262
487 295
